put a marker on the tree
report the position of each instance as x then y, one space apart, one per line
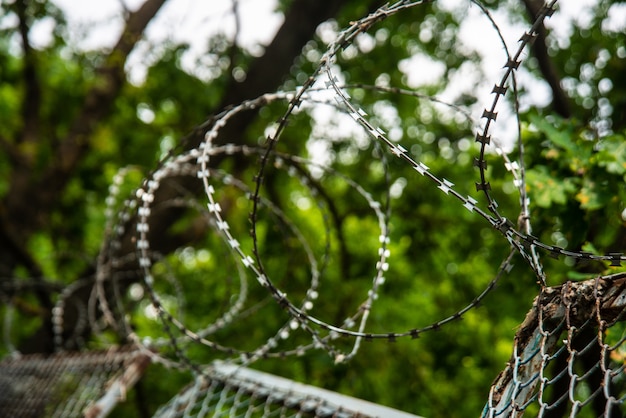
70 122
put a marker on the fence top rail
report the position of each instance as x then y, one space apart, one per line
290 387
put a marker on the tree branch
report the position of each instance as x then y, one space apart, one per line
29 198
32 97
267 72
560 100
234 48
10 150
26 205
102 95
12 246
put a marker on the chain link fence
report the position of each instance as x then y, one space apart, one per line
568 354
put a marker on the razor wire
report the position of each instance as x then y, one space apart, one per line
566 322
300 318
519 237
197 162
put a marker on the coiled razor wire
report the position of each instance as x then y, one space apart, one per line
526 383
524 243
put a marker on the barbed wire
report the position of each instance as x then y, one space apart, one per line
197 162
580 314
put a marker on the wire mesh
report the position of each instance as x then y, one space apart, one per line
65 385
225 390
568 355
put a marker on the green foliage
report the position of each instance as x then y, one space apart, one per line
577 184
442 256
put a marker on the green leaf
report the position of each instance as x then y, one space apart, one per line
546 190
591 197
612 154
558 133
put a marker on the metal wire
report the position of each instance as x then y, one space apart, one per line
568 355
